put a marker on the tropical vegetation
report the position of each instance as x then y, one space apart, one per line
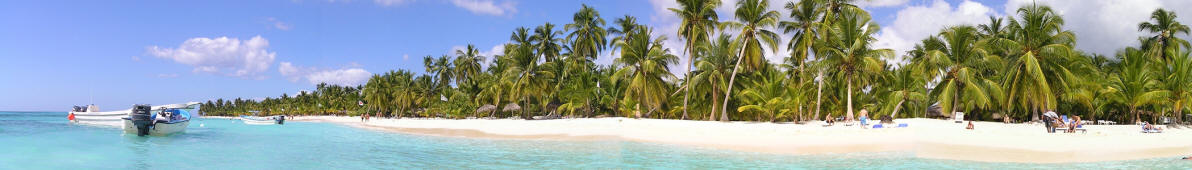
1012 68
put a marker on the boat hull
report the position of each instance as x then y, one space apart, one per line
253 120
110 118
159 129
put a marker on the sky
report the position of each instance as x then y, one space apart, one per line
55 54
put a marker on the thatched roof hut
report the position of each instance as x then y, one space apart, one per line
511 107
486 108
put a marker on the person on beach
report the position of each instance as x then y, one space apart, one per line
829 120
970 125
1075 122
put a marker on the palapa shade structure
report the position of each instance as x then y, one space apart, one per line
511 107
486 108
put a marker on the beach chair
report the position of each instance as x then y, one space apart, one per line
877 126
902 125
1080 128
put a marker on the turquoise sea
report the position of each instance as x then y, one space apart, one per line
45 140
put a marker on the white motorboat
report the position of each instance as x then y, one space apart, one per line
271 120
164 120
91 115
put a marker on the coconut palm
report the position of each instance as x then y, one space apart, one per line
714 65
467 68
1135 85
1166 30
1178 83
753 16
959 63
848 51
1038 50
587 37
903 85
699 21
806 15
645 62
546 41
767 94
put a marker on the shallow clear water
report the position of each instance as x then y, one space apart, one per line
48 141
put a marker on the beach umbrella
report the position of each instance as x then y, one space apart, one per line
511 107
486 108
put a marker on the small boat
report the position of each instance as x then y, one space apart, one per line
144 120
271 120
90 114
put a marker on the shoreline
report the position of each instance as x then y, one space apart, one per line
925 138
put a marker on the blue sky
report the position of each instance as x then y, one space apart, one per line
118 53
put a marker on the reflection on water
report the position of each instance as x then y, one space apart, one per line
39 141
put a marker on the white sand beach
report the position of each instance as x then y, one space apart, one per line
926 138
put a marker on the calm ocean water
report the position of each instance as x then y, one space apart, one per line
47 141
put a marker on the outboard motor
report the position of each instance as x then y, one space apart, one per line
281 119
141 117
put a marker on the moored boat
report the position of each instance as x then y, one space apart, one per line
168 119
271 120
90 114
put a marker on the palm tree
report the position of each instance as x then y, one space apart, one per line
587 37
645 63
715 63
848 51
1136 83
753 16
467 67
1178 83
806 15
1039 49
1166 30
962 63
768 95
546 41
699 22
903 86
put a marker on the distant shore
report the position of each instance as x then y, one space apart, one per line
926 138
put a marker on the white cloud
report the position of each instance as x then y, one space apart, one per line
914 23
136 58
881 3
278 24
229 56
1108 25
405 57
344 76
388 2
487 7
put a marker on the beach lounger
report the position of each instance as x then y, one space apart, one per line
902 125
1081 129
877 126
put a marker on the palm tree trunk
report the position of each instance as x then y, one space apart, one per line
712 113
729 92
1135 112
687 78
894 114
849 106
819 93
